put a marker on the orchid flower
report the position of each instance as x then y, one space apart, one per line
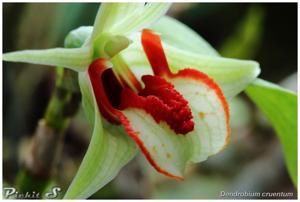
148 83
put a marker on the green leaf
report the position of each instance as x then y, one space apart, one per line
109 150
177 34
231 74
73 58
280 107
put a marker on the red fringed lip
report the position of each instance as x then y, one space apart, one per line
154 50
159 99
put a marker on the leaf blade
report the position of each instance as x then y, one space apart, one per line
280 107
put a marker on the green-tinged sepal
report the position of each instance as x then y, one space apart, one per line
77 59
110 14
142 18
124 18
109 150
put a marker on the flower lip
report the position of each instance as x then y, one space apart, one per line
98 71
160 99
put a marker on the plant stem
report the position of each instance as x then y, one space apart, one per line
46 143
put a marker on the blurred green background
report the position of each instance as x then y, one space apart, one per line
252 162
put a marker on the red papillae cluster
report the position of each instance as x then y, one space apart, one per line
160 99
